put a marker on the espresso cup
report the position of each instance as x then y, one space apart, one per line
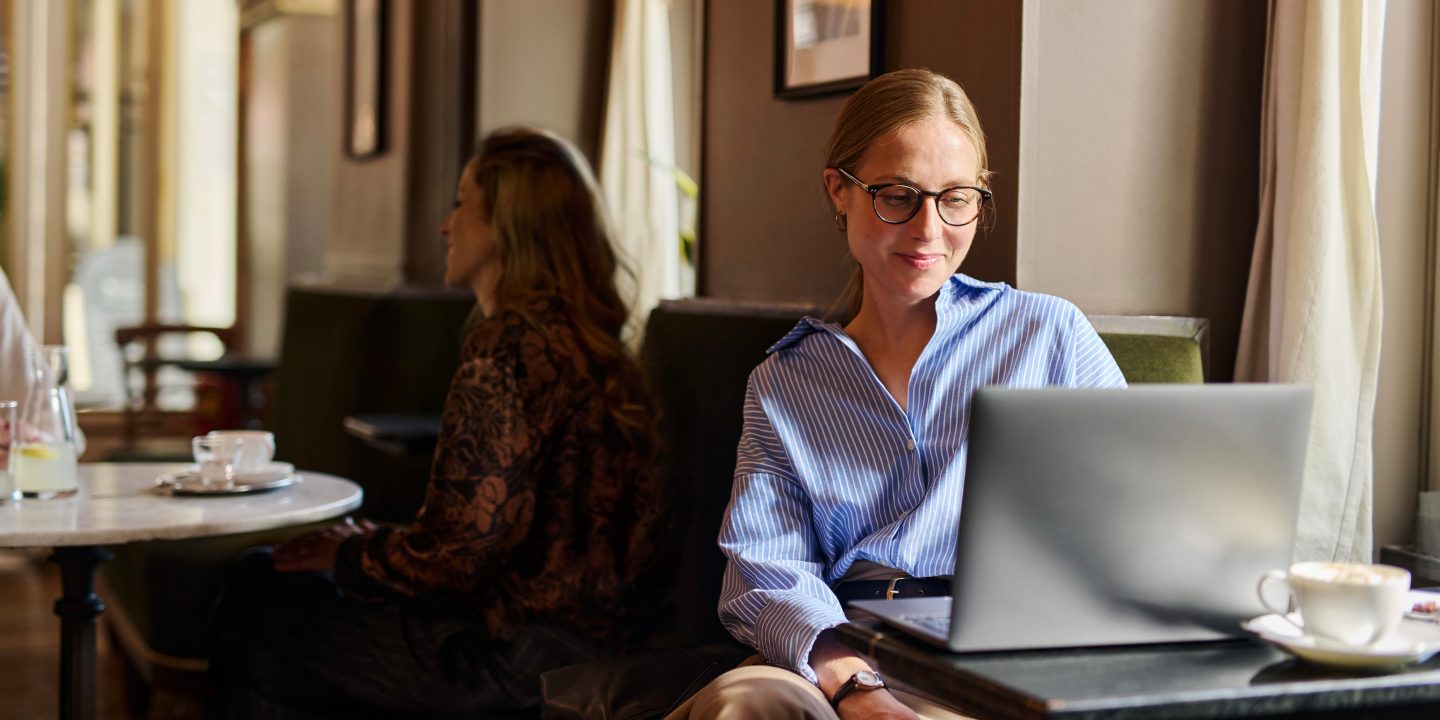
1353 603
256 449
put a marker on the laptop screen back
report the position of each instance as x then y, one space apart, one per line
1106 517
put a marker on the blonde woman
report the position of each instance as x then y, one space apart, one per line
536 543
852 457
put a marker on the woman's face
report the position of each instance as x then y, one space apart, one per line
908 262
472 258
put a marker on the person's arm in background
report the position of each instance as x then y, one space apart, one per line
480 500
481 497
15 346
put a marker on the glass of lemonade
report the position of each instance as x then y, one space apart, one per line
42 457
44 470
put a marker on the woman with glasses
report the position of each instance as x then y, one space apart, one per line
852 458
537 543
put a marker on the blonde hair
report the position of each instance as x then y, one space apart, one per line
554 239
883 106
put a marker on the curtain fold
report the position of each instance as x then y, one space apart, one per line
637 157
1313 304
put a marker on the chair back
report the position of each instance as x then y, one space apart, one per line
148 354
1157 348
350 352
697 356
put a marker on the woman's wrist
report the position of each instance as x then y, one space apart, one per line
862 682
834 664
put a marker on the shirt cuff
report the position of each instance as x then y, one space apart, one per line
785 631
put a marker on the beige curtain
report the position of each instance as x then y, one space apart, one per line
1312 311
637 156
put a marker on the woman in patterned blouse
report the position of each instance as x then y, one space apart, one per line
535 547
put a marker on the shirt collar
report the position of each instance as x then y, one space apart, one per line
806 326
956 287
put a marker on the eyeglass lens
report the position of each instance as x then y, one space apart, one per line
898 203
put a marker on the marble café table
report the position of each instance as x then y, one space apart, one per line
117 503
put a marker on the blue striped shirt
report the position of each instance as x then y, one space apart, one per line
831 470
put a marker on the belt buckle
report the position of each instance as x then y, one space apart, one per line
891 590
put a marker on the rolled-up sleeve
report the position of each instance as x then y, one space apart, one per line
774 597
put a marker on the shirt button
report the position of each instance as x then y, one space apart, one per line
910 445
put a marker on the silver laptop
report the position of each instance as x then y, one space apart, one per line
1117 517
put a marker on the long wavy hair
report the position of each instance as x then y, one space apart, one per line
885 105
554 238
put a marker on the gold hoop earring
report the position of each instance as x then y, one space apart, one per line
840 222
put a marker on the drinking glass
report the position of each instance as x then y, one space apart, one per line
216 456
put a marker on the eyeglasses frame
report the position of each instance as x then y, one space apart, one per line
874 190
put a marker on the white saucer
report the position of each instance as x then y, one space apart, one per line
269 473
188 482
1410 643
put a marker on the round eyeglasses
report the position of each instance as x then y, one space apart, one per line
895 203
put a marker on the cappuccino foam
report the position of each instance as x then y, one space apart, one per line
1349 574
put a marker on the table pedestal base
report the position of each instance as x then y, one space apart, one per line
78 607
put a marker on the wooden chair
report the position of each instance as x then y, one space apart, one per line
145 350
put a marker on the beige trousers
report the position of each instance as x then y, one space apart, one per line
756 691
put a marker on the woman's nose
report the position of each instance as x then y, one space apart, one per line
927 225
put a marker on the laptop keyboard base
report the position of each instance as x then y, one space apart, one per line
937 624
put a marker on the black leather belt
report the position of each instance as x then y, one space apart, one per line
890 589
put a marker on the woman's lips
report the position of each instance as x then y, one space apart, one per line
921 261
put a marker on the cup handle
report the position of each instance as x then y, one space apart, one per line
1283 613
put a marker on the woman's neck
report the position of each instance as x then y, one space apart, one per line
894 324
485 289
892 336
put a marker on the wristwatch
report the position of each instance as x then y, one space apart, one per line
865 680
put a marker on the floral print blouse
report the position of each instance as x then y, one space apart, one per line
536 510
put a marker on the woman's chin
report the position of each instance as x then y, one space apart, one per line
917 287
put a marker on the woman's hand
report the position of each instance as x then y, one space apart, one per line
315 551
879 704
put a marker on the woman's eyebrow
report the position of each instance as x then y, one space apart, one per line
900 179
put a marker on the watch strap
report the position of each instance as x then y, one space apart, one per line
850 686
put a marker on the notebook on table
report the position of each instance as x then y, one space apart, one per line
1116 517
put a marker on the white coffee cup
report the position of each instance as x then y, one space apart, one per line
257 449
1353 603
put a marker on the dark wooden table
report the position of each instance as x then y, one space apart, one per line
1227 679
398 434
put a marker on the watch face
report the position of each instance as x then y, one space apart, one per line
868 680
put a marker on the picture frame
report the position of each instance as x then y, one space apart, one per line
365 77
826 46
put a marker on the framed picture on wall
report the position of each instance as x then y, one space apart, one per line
365 49
825 46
